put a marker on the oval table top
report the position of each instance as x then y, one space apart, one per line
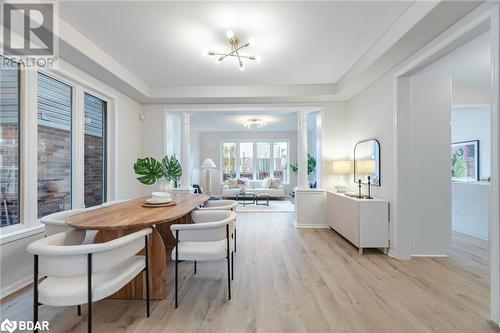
131 214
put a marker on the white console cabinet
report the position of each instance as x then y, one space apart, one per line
364 222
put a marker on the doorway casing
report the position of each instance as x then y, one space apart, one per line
484 18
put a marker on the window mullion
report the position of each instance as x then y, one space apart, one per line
29 133
78 148
238 162
271 156
254 160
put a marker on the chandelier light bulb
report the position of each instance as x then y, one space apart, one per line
229 34
257 58
251 41
242 68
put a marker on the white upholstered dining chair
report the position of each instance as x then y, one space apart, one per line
76 274
205 241
56 222
221 205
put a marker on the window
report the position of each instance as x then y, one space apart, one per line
246 160
229 160
9 145
54 145
255 160
95 151
281 161
263 160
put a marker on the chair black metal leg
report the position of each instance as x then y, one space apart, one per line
79 310
232 265
35 290
195 267
147 275
234 239
89 292
228 263
176 264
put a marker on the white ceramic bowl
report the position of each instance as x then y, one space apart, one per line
159 196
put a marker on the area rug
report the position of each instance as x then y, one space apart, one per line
275 206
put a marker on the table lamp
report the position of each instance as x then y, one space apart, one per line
365 167
342 167
208 164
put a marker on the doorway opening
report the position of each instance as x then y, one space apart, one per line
424 110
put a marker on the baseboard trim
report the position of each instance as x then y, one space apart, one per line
312 226
12 288
430 255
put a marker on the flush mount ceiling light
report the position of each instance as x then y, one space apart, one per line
254 123
234 50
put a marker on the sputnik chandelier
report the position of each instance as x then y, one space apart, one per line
235 48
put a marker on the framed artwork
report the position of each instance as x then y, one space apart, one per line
465 160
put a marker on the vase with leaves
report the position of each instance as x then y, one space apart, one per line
165 173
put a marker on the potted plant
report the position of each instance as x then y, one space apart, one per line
311 166
149 171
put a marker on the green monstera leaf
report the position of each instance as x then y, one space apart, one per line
171 168
148 169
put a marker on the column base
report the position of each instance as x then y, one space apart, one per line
310 208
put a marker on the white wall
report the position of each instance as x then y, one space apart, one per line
210 148
13 255
473 123
336 140
470 208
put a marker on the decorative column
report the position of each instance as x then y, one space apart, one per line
185 153
302 182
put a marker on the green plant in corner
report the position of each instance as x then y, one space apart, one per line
172 169
311 165
148 169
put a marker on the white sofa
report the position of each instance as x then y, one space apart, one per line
256 187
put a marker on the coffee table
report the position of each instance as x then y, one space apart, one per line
246 198
263 198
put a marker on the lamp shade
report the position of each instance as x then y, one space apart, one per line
365 166
342 167
208 164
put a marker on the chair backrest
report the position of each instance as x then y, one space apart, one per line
63 255
56 222
204 216
212 226
197 189
220 205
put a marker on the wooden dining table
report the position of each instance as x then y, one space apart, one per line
123 218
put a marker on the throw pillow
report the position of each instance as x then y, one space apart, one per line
275 184
267 182
233 183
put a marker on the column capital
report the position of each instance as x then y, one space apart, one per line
302 115
185 116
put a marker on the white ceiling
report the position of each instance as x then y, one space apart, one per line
299 42
233 121
469 66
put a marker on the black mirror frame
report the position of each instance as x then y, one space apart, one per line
378 162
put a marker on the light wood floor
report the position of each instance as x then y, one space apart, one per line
290 280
